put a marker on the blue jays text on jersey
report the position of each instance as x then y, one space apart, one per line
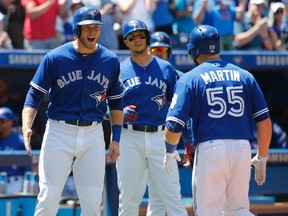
83 82
149 88
213 94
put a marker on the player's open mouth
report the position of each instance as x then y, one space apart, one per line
91 39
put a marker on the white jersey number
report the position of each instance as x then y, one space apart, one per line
214 98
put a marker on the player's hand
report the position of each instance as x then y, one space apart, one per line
27 133
168 157
113 151
188 155
130 115
259 163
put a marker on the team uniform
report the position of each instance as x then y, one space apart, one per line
222 99
150 89
79 87
161 46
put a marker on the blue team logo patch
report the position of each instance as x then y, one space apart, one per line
93 13
99 97
160 100
133 23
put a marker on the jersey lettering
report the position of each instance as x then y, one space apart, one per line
72 77
220 75
134 81
219 105
158 83
102 80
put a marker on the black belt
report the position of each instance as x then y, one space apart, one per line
144 128
80 122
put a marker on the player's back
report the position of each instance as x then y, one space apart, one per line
224 101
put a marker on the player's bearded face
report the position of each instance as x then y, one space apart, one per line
89 36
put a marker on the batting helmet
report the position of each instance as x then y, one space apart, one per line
85 16
160 38
135 25
203 39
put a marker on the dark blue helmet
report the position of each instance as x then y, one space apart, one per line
85 16
134 25
204 39
162 39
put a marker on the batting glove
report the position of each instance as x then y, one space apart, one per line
168 157
130 115
259 163
189 155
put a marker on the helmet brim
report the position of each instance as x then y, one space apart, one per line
88 22
159 44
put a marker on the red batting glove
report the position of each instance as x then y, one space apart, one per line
189 155
130 115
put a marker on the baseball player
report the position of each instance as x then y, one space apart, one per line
161 46
80 77
223 100
148 83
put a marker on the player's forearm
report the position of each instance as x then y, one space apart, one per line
28 116
264 134
171 137
116 117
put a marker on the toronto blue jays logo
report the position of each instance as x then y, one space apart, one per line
160 100
93 13
133 23
159 37
99 97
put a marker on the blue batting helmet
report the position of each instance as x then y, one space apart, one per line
204 39
134 25
162 39
85 16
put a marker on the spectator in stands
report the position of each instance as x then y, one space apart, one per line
15 22
68 22
224 15
5 41
275 24
164 8
285 26
135 9
9 141
253 33
202 13
183 23
40 23
112 19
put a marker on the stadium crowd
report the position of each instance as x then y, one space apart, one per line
242 24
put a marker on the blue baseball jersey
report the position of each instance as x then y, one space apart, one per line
221 98
149 88
11 143
78 85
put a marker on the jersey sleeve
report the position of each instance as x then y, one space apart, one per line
43 76
179 108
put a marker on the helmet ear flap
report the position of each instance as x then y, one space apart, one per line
77 32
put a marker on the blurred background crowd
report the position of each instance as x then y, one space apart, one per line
243 24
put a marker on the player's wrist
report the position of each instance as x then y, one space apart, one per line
262 158
170 148
116 132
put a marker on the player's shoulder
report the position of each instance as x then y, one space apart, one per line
106 52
